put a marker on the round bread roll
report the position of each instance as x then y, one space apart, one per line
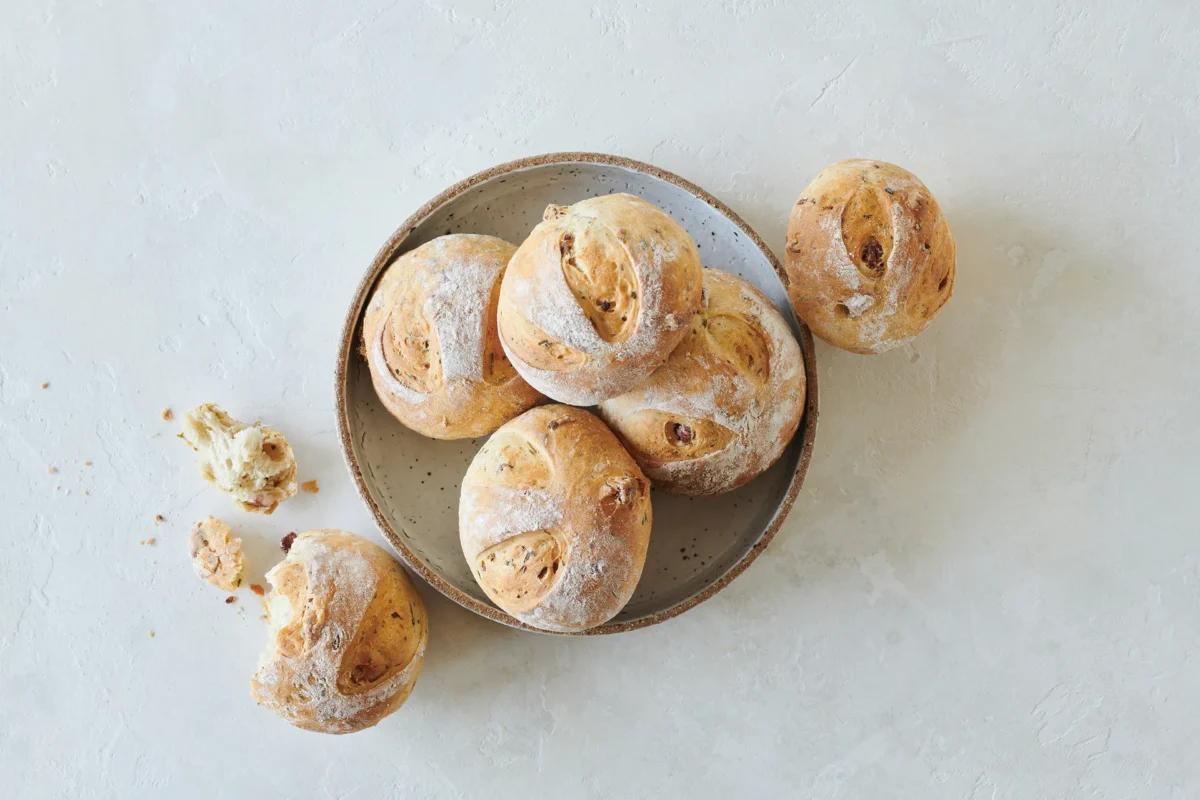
870 258
726 403
430 338
348 634
554 519
597 297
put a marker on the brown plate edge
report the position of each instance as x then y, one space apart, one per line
808 423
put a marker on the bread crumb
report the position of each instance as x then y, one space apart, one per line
46 385
87 462
148 540
253 464
160 519
53 470
216 553
257 589
310 486
231 599
168 415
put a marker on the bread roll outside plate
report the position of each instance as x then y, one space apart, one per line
429 334
597 297
726 403
348 634
870 258
554 519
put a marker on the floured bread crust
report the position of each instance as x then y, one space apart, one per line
216 553
347 635
723 407
429 335
554 519
870 258
597 297
253 464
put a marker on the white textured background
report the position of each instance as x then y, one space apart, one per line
990 585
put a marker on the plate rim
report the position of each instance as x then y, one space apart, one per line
384 256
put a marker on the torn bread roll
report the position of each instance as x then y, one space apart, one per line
347 634
726 403
216 553
430 338
870 258
554 519
597 297
253 464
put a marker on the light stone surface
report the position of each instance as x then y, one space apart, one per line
990 585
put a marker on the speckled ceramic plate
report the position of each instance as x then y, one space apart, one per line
411 483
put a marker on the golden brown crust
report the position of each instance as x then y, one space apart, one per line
870 258
554 519
723 407
430 337
597 297
348 635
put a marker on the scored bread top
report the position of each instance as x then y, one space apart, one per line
554 519
431 342
723 407
870 258
348 634
597 297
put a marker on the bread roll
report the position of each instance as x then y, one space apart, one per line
348 635
597 297
253 464
216 553
726 403
870 258
430 337
554 519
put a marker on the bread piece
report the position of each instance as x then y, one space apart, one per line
597 297
429 334
554 519
253 464
726 403
347 635
216 553
870 258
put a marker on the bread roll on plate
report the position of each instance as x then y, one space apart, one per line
870 258
597 297
348 634
726 403
554 519
429 334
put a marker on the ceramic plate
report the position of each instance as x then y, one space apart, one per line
411 483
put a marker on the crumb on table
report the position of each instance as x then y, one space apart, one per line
45 384
168 414
87 462
151 634
148 540
53 470
159 519
310 486
230 599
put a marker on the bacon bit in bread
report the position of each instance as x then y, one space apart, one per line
310 486
257 589
230 600
168 415
286 542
